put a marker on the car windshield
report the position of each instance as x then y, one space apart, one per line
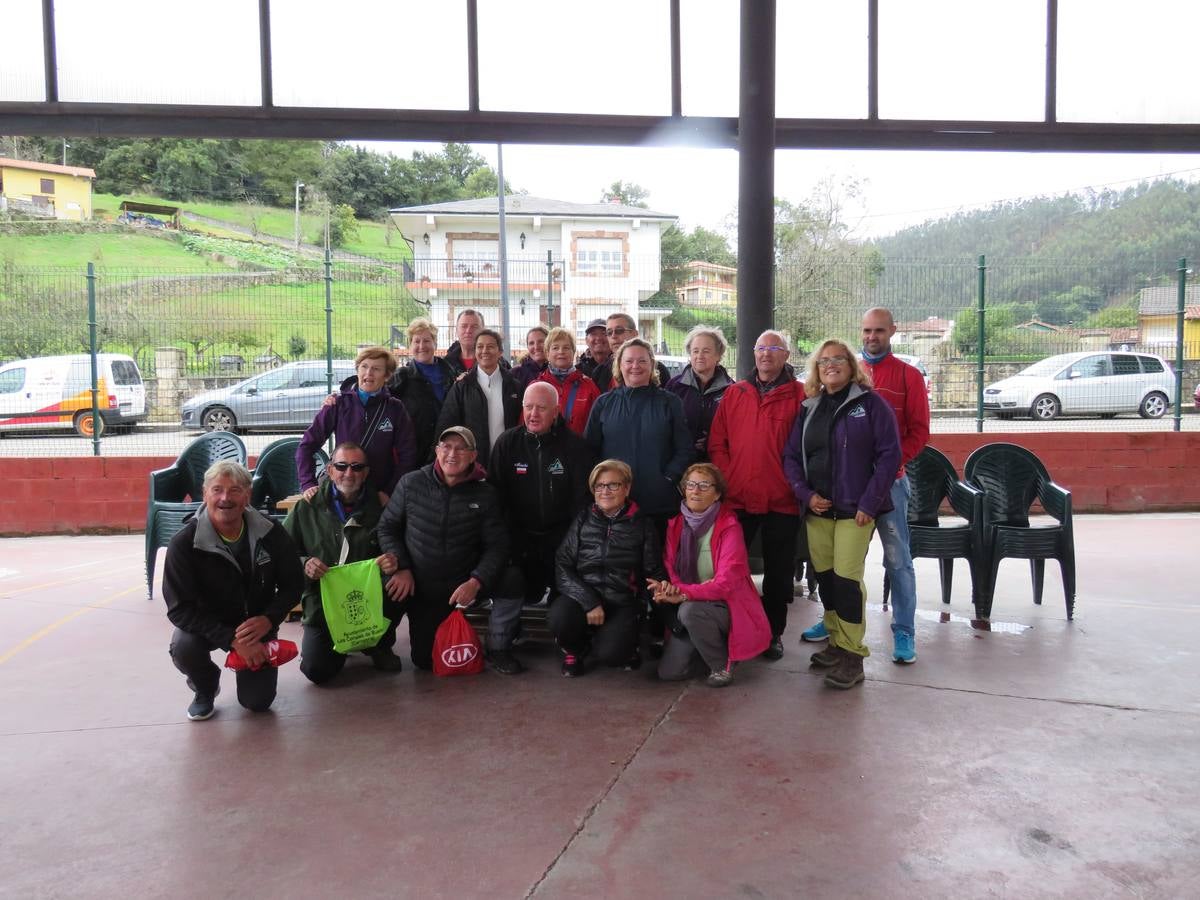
1047 366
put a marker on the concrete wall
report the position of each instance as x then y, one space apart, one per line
1105 471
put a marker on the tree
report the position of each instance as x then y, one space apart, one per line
297 345
626 194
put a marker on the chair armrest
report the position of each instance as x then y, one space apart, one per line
966 500
1056 500
168 485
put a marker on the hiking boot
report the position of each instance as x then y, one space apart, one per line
505 663
826 658
847 673
572 666
905 650
720 678
774 649
816 634
202 707
383 659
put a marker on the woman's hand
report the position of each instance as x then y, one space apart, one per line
819 504
330 400
595 615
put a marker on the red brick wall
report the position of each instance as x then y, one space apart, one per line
1105 472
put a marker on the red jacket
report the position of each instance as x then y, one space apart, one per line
574 409
903 387
749 631
746 443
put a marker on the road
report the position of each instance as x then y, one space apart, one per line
156 441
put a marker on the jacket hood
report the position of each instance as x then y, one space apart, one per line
631 509
479 473
206 538
720 379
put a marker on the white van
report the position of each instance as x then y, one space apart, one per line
56 392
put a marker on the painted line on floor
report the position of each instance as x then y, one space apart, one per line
74 580
58 623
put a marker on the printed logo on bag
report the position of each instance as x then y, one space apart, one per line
521 468
356 608
458 655
556 467
385 425
857 413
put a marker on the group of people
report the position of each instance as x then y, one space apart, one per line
621 499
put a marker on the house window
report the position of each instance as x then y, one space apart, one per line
599 256
47 185
476 256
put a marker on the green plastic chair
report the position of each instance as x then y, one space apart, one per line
175 492
275 476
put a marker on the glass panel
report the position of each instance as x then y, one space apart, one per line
820 60
160 52
22 72
362 53
1150 364
709 34
1127 62
550 56
946 59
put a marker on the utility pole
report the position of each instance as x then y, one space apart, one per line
299 184
65 146
504 321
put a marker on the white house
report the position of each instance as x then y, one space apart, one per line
568 263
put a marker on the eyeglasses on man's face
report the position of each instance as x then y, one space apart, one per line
452 449
614 332
826 361
769 348
608 487
353 467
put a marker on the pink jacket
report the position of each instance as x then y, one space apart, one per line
749 631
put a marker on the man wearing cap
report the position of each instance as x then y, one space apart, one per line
597 356
444 528
618 329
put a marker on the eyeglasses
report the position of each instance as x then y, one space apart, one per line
611 332
452 449
699 485
764 348
826 361
608 487
353 467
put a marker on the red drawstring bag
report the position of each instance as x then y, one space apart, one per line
456 649
279 652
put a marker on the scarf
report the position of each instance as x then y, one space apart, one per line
560 374
695 526
874 359
365 398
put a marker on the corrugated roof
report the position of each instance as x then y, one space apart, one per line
1164 300
77 171
524 205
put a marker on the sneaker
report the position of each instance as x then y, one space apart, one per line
825 659
774 649
847 673
815 634
383 659
202 707
905 648
572 666
505 663
720 678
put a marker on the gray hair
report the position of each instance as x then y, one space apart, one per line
783 338
709 331
227 468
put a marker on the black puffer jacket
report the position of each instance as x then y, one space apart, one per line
605 561
414 390
445 534
455 360
542 479
466 404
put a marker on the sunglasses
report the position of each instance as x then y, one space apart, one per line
353 467
615 331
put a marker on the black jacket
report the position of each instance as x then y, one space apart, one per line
541 479
454 359
466 404
606 561
415 391
205 589
527 372
445 534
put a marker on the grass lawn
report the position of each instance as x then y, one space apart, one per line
127 251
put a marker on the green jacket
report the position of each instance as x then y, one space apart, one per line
317 531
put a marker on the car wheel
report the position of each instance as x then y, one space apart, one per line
1045 407
85 424
1154 406
219 419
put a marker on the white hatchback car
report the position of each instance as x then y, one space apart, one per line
1091 383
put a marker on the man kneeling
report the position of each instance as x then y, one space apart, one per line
230 578
336 525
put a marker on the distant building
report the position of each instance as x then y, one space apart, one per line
45 189
921 337
708 284
1157 313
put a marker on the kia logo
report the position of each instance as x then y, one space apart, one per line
459 655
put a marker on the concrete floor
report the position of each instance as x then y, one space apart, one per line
1057 760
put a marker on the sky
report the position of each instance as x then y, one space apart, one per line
982 59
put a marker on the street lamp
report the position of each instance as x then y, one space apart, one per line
299 184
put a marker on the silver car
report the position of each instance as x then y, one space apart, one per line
1091 383
283 398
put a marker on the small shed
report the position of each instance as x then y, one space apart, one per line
147 215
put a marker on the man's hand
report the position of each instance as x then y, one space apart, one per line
819 504
314 569
387 562
464 595
330 400
308 492
595 615
252 631
255 654
384 498
861 519
400 585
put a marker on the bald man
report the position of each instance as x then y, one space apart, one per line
540 470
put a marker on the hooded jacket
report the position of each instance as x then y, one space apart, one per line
206 592
749 630
415 391
749 432
699 406
865 450
391 450
605 562
577 394
541 479
445 534
467 404
644 427
316 530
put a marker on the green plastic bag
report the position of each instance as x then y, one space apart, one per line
352 598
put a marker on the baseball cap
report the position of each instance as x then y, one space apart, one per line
463 432
595 323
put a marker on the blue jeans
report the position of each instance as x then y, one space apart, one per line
897 560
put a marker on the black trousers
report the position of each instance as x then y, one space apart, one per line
425 610
612 643
779 561
191 654
319 662
531 568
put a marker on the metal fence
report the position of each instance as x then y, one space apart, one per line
290 324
